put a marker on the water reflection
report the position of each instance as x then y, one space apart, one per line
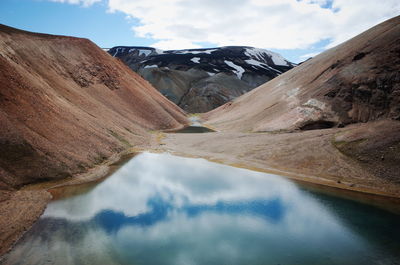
163 209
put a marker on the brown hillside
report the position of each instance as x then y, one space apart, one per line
357 81
66 105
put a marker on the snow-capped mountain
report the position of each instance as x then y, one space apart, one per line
199 80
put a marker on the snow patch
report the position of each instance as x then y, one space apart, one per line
273 69
195 59
207 51
262 65
238 69
256 63
144 52
118 50
278 59
150 66
261 53
193 52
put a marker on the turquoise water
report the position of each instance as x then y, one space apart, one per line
164 209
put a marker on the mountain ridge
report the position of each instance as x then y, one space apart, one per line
357 81
199 80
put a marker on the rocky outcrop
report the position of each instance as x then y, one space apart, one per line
199 80
66 106
357 81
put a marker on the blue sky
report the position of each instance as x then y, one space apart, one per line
94 22
296 29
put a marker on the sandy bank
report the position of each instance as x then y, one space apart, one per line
331 157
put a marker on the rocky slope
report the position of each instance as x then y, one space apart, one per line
354 89
65 106
357 81
199 80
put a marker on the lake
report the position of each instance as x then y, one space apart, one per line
164 209
196 126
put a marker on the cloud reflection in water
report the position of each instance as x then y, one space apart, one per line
163 209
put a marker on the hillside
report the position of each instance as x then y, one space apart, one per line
199 80
333 120
66 105
357 81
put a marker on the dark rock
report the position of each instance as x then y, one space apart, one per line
199 80
359 56
316 125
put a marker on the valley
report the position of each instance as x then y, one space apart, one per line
80 130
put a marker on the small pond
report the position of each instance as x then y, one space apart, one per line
163 209
195 127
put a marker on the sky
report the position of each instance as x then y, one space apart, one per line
297 29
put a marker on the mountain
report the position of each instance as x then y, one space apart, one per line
333 120
199 80
354 85
66 105
357 81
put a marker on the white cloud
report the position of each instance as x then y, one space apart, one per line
308 55
85 3
283 24
357 16
173 44
279 24
207 183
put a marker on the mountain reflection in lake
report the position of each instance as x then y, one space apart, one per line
164 209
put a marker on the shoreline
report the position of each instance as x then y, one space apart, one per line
342 190
309 156
26 205
39 195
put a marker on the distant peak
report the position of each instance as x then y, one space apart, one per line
255 55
